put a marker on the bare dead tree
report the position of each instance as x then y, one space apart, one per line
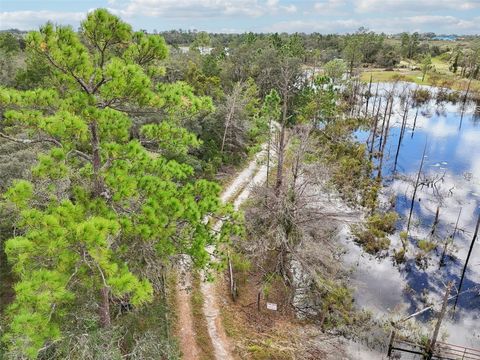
415 188
287 84
369 94
232 105
451 238
375 99
402 132
414 123
435 222
441 315
374 132
467 260
382 144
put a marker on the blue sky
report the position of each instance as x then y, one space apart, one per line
325 16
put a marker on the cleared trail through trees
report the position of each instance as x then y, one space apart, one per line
187 334
254 174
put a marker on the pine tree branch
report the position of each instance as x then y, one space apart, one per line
30 141
49 140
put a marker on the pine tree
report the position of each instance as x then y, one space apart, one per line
99 194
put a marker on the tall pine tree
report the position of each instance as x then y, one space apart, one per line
105 192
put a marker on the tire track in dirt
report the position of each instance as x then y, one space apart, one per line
237 192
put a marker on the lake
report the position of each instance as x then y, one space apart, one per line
451 174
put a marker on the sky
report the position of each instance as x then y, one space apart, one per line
238 16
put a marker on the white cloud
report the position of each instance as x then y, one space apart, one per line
289 8
29 20
436 23
326 16
413 6
202 8
329 5
330 26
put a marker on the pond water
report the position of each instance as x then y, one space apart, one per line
452 170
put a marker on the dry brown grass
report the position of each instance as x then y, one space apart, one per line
267 334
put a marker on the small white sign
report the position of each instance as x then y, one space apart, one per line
271 306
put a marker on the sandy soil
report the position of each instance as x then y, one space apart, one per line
237 191
188 345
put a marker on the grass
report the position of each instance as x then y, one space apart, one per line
439 78
200 322
252 344
257 335
426 245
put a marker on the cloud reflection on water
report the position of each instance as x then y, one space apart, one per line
453 155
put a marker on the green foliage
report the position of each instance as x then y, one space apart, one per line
373 237
348 161
202 39
337 303
426 245
421 96
317 105
426 65
97 192
170 138
241 266
399 255
384 222
335 69
9 43
410 44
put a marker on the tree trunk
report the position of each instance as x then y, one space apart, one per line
400 138
441 315
229 119
467 260
268 149
281 147
375 99
435 222
385 136
414 123
104 310
452 237
98 187
416 187
368 95
99 190
374 134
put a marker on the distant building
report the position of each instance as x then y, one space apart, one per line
203 50
445 37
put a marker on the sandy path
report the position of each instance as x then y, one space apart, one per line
252 175
238 191
187 335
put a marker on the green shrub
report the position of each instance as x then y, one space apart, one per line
421 96
383 222
373 235
399 256
426 245
241 266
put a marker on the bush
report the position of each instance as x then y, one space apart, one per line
421 96
426 245
241 266
448 96
373 236
384 222
399 256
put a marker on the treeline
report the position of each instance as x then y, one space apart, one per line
363 47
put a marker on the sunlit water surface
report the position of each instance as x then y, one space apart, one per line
452 161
